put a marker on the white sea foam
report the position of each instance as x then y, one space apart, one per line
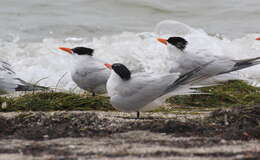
33 61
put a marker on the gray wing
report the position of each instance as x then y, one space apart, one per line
189 77
146 85
187 62
241 64
218 66
6 67
8 81
223 65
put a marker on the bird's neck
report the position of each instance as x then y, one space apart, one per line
112 84
115 77
174 53
82 59
80 62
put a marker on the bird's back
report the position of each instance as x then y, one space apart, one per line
8 79
189 61
137 92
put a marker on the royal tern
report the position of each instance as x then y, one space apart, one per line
88 73
143 91
10 82
184 61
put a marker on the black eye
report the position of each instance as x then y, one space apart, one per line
122 71
83 51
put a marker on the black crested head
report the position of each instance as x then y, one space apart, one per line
178 42
122 71
83 51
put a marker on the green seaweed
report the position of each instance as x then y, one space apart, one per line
51 101
231 93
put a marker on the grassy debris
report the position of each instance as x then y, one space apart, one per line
232 93
40 125
52 101
236 123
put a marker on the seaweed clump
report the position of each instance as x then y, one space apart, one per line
229 94
52 101
41 125
236 123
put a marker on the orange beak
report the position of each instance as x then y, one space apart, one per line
109 66
258 38
164 41
66 50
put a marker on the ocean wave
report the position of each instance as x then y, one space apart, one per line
33 61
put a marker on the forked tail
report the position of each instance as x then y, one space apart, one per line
245 63
188 78
25 86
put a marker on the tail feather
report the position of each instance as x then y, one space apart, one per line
247 60
25 86
188 78
30 87
245 63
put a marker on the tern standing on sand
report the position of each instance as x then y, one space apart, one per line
143 91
